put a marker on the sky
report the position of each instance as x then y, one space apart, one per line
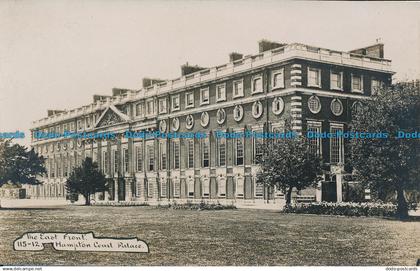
58 54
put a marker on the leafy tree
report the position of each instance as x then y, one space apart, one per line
289 163
392 163
19 165
86 180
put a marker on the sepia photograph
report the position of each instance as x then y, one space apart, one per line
223 134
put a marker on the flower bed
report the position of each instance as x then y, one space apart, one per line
196 206
343 208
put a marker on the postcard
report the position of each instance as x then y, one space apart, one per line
217 134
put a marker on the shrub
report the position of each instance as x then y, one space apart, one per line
343 208
196 206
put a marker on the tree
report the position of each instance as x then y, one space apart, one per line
392 163
86 180
289 163
19 165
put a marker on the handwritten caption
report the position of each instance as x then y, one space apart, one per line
35 241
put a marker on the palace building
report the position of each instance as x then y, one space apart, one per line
316 88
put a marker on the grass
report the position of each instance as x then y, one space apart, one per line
223 237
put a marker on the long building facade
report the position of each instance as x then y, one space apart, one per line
316 88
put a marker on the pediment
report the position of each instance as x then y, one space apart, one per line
111 116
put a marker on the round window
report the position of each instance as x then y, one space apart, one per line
205 119
175 124
278 105
257 109
162 126
357 108
221 116
336 107
314 104
238 113
189 122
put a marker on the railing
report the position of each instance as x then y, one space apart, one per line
294 50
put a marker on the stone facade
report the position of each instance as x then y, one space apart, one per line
316 88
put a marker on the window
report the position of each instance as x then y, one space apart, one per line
357 108
88 122
205 147
72 126
278 105
190 147
163 188
115 161
162 106
105 159
189 99
221 92
239 151
221 151
177 188
336 145
151 157
65 127
375 85
259 190
336 80
222 187
126 161
206 188
162 155
221 116
258 146
238 112
175 102
257 109
239 187
150 189
314 77
176 155
191 188
238 88
356 83
79 125
257 86
204 96
336 107
313 129
277 79
139 158
139 109
314 104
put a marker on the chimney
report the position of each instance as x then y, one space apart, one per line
266 45
54 112
376 50
147 82
235 56
99 98
120 91
187 69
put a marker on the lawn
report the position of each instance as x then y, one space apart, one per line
227 237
